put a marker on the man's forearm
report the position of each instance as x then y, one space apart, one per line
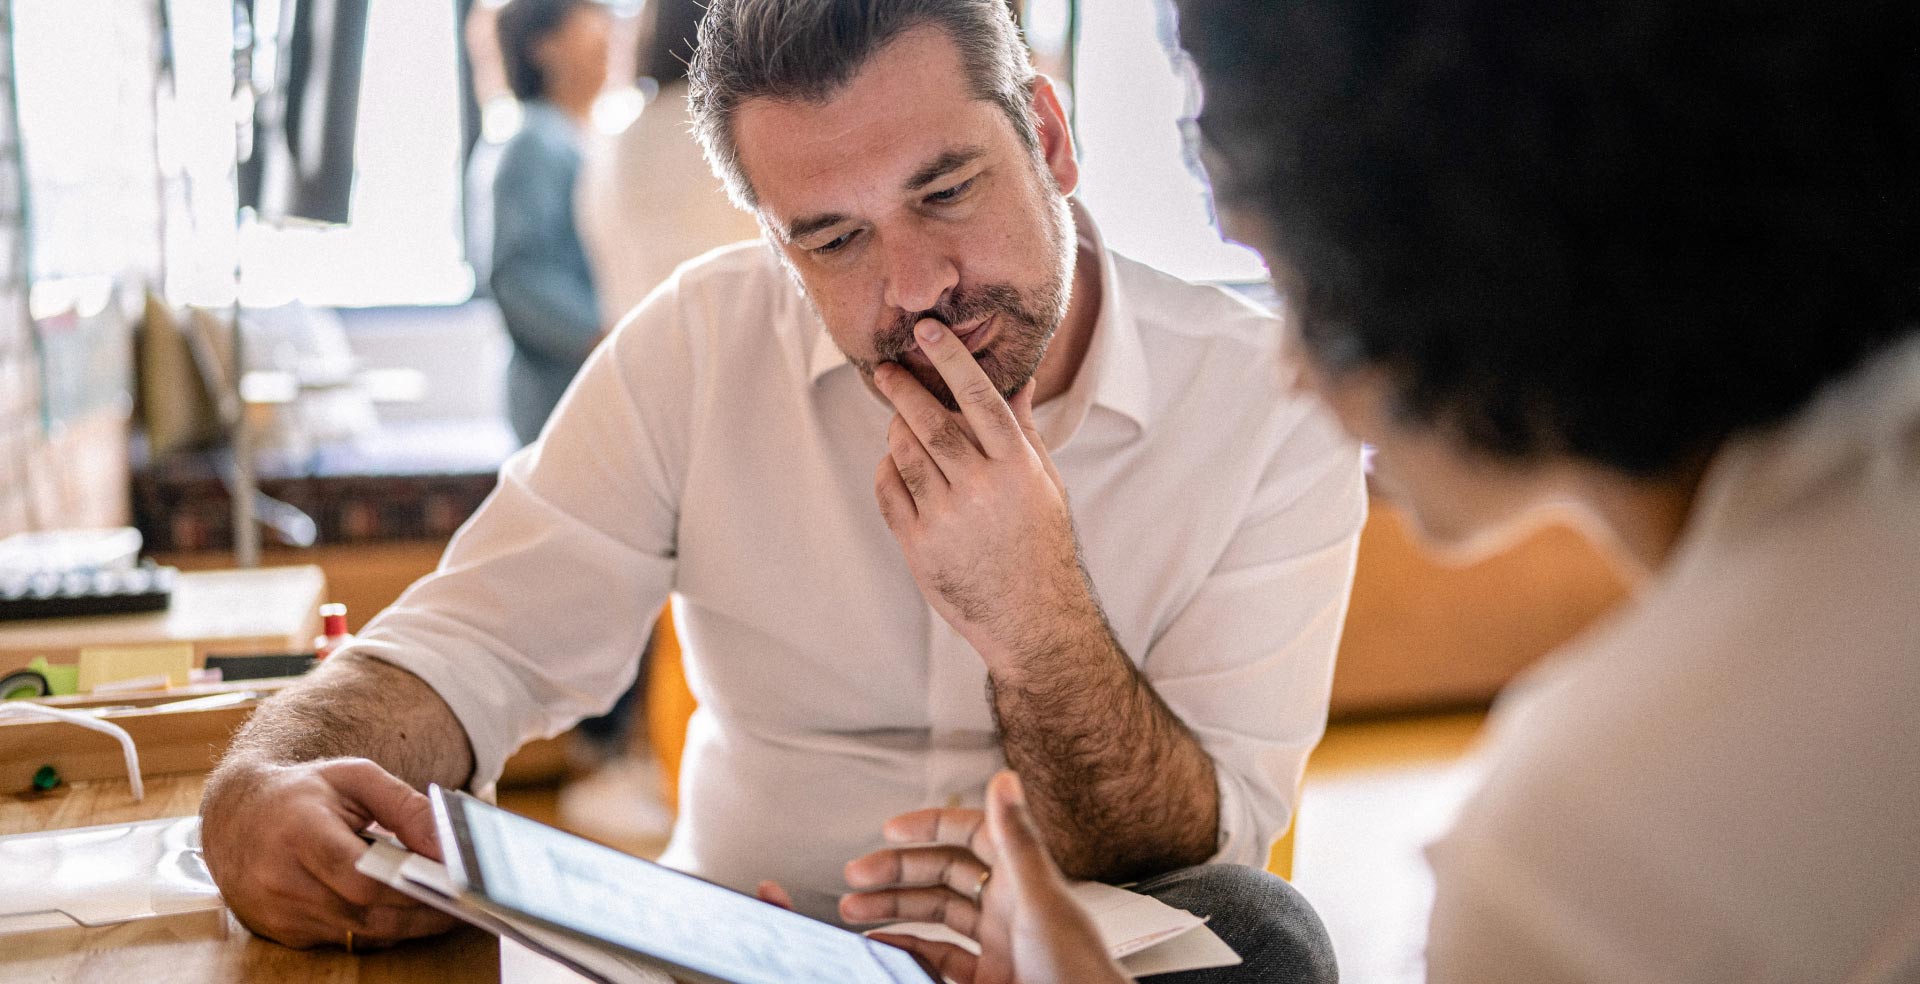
1120 785
358 706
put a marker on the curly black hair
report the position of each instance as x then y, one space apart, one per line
1621 230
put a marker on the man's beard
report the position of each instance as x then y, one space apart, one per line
1023 325
1025 321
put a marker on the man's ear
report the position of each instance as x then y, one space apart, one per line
1056 140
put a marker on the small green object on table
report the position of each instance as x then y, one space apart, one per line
61 680
45 779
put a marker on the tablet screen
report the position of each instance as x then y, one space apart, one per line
577 885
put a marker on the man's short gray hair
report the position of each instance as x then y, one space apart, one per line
806 50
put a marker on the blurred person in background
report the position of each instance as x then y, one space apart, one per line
648 202
555 53
1661 261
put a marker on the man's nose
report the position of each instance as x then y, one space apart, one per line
919 272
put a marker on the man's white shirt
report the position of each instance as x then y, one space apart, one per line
719 447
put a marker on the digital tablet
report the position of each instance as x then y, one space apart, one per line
693 929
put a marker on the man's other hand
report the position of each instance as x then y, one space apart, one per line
281 842
978 507
989 877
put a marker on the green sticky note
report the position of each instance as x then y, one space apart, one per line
61 680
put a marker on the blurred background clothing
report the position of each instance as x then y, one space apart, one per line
540 277
1710 787
648 202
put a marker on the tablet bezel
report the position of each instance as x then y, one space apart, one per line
456 842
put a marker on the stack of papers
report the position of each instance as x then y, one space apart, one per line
1146 935
99 876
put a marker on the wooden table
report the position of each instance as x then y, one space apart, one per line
208 946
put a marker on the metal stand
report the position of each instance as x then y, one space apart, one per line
242 485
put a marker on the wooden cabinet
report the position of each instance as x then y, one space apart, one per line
1424 634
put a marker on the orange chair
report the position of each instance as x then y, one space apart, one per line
670 705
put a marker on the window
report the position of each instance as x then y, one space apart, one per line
402 244
1134 90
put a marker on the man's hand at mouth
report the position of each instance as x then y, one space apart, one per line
979 509
981 514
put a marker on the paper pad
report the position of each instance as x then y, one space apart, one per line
98 876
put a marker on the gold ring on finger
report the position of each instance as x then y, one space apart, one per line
349 941
980 887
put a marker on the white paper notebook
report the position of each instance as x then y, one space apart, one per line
1146 935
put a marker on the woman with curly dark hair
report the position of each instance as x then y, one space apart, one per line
1660 261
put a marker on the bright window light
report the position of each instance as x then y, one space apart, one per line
1136 178
403 244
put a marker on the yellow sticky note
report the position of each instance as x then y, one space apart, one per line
108 664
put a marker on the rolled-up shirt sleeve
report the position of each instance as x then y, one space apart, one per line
1248 662
540 608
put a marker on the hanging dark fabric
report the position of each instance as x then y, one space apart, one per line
302 161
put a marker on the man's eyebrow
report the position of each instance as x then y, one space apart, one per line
946 163
952 160
801 228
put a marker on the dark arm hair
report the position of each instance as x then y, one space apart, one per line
355 705
1622 230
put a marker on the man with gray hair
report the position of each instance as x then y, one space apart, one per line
933 324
